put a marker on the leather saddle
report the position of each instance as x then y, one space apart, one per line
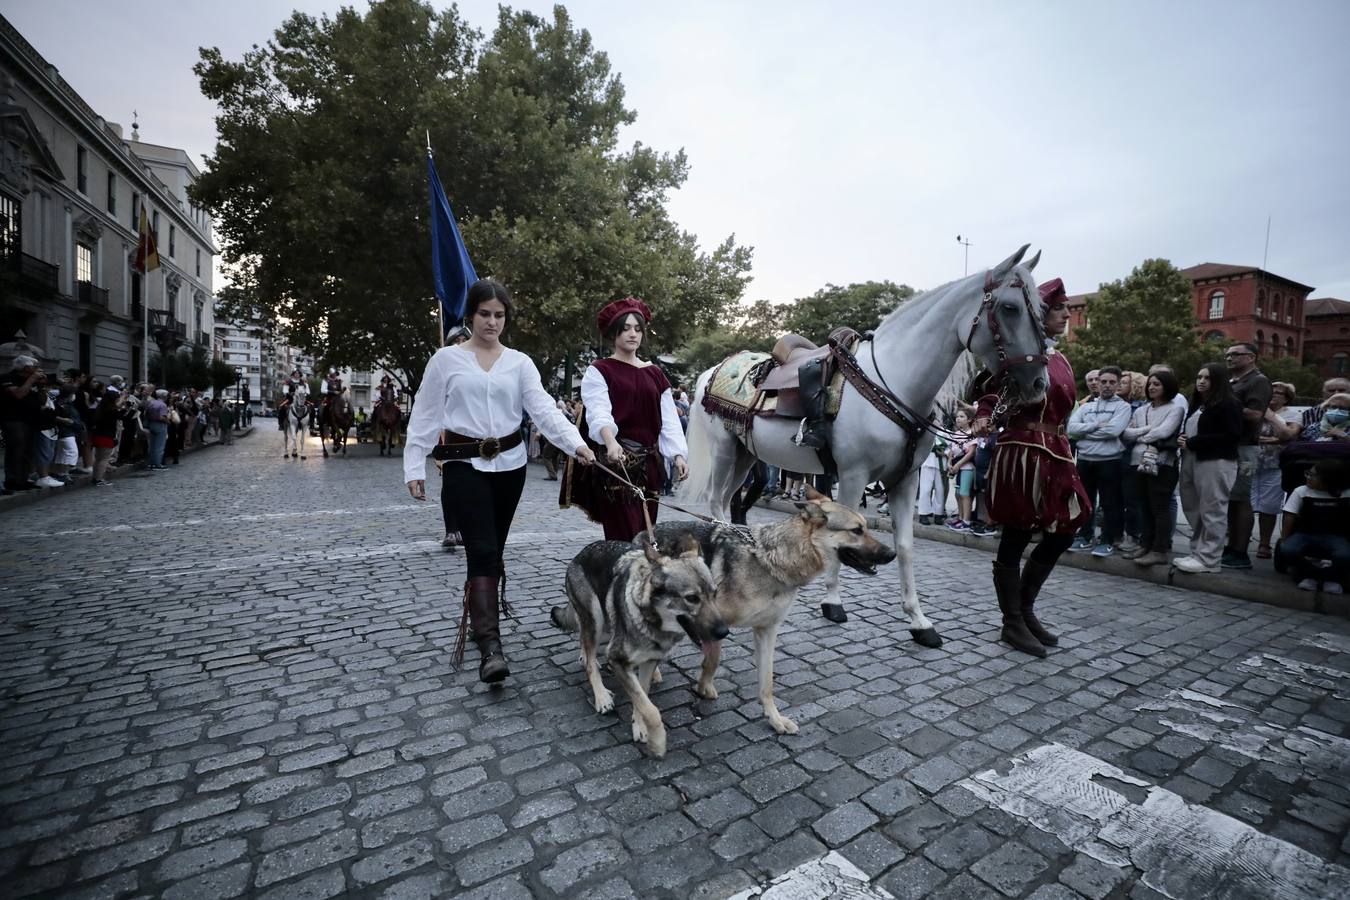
789 353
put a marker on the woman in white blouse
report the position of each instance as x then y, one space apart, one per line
477 393
630 412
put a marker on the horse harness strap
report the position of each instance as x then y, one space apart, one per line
995 330
458 446
885 402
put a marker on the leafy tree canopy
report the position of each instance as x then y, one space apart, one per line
318 185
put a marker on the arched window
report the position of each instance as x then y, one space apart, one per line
1289 311
1274 344
1340 364
1289 346
1275 308
1260 342
1261 302
1214 335
1216 305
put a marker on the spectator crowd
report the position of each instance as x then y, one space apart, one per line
58 429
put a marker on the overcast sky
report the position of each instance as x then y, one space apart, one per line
854 141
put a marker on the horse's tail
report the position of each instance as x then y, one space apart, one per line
695 492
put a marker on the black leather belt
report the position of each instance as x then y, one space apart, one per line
458 446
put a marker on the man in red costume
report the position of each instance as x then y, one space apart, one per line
1034 486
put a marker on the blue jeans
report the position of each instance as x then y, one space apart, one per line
1295 551
159 434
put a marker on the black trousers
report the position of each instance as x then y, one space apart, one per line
1047 552
1157 515
448 503
1101 480
493 497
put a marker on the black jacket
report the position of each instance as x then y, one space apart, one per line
1218 432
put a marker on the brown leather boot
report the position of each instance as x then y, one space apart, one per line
1033 576
482 605
1007 585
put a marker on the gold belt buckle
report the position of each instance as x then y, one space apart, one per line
489 448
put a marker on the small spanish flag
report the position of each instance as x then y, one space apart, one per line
147 255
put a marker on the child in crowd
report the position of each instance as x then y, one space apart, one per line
1315 540
961 461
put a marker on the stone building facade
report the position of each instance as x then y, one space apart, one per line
1327 341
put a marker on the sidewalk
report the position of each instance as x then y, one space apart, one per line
24 498
1261 583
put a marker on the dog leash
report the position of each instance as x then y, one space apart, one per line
741 531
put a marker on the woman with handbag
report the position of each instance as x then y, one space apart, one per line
629 411
1209 460
1153 429
477 393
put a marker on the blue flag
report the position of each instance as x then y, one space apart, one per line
450 264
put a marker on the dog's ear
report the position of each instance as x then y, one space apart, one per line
813 494
644 540
687 547
812 514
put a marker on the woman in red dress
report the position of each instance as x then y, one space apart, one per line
1034 486
630 413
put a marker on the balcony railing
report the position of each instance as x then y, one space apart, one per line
31 270
203 338
91 295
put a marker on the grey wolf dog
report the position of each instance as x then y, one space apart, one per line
646 601
758 580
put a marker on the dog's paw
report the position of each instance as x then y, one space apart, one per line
657 746
656 675
706 691
604 703
783 725
639 732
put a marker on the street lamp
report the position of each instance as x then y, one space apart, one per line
965 243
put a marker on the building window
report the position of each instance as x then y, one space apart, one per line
135 212
1289 312
1215 335
1275 308
1261 302
1340 364
11 226
112 194
1274 344
154 226
199 262
82 169
1216 305
1260 341
84 263
1289 346
172 240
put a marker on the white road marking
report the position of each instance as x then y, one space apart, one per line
1181 850
1283 670
830 877
1239 729
1336 643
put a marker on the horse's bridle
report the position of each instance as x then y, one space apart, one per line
995 330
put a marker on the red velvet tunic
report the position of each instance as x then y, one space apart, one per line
635 401
1033 481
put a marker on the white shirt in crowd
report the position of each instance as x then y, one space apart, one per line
457 395
600 414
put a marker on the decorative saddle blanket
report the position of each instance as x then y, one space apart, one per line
734 394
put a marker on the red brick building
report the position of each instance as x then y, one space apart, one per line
1326 343
1238 303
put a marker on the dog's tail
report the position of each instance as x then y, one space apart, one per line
564 618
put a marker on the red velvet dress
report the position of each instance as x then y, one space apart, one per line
1033 481
635 401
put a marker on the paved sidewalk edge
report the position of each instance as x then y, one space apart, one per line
27 498
1270 591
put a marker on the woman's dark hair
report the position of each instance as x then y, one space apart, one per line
1219 388
615 327
1168 382
485 289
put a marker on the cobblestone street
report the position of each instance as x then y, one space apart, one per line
233 678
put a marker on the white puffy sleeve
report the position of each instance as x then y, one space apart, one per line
544 412
424 427
671 442
599 411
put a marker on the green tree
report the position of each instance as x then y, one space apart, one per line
860 306
221 375
1137 322
318 183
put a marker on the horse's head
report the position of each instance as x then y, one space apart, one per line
1007 332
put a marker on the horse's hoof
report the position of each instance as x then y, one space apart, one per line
304 457
835 612
927 637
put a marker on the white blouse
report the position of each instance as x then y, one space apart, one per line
600 414
457 395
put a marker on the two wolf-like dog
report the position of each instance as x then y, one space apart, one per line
756 574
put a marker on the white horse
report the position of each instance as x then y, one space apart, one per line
913 354
295 424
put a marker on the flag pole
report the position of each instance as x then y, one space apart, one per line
440 307
145 299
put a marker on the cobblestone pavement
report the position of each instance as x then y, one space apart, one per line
233 679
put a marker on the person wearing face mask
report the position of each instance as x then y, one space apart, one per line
1334 422
629 411
477 393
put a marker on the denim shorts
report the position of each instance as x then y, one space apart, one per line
1248 455
965 483
44 448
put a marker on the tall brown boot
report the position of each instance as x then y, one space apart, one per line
1033 576
481 603
1007 585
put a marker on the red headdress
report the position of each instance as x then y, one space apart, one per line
620 308
1052 293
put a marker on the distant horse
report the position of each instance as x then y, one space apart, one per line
912 357
335 421
294 426
388 417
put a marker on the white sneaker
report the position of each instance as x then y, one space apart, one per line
48 481
1332 587
1307 584
1194 566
